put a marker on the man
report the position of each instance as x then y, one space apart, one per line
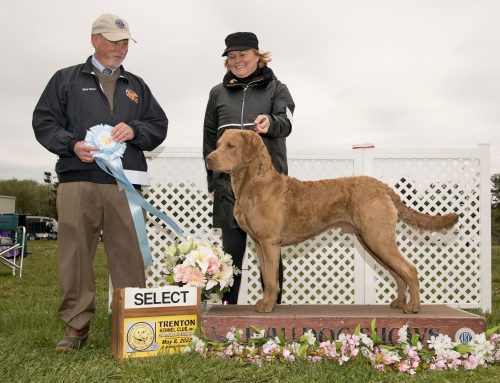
77 98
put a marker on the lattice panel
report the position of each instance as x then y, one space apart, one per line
322 269
448 264
179 189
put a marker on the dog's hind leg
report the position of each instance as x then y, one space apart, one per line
269 255
375 222
400 300
383 244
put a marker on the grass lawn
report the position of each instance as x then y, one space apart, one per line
30 328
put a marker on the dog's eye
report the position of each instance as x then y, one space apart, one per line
230 145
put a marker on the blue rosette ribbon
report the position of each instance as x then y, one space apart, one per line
108 158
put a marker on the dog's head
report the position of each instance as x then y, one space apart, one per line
234 149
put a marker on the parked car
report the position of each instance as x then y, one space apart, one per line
38 227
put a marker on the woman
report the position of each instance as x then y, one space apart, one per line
249 97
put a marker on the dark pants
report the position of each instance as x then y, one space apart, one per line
234 242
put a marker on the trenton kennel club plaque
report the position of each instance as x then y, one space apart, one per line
150 321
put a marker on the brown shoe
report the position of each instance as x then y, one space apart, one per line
73 339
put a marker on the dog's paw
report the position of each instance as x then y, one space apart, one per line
398 303
264 306
411 308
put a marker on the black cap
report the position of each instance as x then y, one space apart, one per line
241 41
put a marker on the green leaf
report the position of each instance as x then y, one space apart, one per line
415 339
256 329
376 339
463 348
491 331
282 337
303 339
169 278
357 330
303 350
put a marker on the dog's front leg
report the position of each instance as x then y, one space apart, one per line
269 258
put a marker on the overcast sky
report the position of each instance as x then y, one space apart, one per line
396 73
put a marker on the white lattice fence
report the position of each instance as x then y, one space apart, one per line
332 267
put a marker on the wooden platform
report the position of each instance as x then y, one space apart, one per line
329 321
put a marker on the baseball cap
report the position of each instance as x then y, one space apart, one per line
112 27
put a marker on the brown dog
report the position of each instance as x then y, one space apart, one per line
277 210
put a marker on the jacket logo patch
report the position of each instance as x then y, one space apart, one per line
132 95
87 89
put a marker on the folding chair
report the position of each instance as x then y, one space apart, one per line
12 243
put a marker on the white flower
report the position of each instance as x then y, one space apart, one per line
443 346
199 259
309 337
269 347
186 246
294 347
231 335
403 334
366 340
259 335
482 347
198 344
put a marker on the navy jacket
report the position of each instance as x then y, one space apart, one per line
73 102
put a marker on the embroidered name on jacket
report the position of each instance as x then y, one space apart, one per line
132 95
87 89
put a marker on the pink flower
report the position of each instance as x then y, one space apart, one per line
411 352
329 349
403 367
179 273
471 362
213 266
455 363
194 277
287 354
495 338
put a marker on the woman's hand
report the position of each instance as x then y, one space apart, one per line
262 123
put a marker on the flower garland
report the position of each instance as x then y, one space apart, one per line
407 356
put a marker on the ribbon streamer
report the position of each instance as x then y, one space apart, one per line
109 160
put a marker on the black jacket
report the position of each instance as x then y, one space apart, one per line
73 102
234 104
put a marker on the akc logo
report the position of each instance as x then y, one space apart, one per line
464 335
132 95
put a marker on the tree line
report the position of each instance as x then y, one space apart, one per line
32 197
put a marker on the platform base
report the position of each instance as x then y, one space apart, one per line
329 321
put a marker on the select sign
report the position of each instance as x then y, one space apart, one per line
173 296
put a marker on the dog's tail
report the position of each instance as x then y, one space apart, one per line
420 220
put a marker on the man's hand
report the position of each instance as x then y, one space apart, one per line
122 132
84 151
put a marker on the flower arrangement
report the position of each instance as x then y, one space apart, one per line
195 263
407 356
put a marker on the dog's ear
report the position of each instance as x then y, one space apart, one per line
251 145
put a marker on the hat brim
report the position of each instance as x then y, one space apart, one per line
117 36
237 48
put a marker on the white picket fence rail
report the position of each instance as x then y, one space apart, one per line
332 268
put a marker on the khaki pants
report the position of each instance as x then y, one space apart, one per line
84 209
